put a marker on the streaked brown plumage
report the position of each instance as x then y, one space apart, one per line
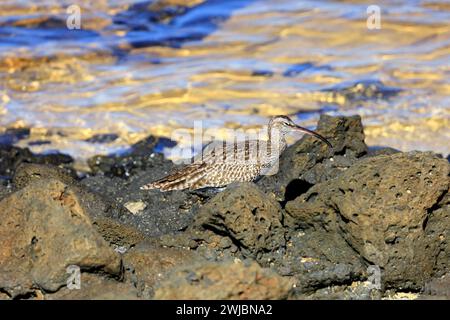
220 164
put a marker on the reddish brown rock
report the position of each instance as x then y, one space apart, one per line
44 229
226 280
146 264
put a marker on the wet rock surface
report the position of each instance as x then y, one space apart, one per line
340 223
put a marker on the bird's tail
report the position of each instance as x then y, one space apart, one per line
178 180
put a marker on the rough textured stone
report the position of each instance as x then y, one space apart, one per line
44 229
96 287
246 215
137 158
227 280
386 208
99 208
27 172
357 290
439 286
320 222
11 157
438 225
4 296
164 212
117 234
381 151
117 183
317 259
146 264
4 190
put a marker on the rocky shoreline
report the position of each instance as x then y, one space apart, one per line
351 223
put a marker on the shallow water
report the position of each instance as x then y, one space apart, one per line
139 68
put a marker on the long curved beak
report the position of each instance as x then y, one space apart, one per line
314 134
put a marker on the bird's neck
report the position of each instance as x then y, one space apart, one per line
276 142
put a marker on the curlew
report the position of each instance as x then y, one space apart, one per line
222 163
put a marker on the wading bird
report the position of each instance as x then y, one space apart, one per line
221 163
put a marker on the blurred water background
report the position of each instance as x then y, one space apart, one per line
137 68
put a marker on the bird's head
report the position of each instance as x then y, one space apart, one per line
284 125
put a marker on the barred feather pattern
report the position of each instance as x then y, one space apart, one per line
219 165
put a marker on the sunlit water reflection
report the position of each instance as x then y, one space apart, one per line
139 68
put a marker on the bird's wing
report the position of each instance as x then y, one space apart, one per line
224 151
179 179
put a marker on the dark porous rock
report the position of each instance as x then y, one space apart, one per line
11 157
5 189
160 213
438 225
317 259
27 172
146 264
362 90
310 161
44 229
139 157
248 217
103 138
208 244
96 287
13 135
105 213
390 209
153 213
226 280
